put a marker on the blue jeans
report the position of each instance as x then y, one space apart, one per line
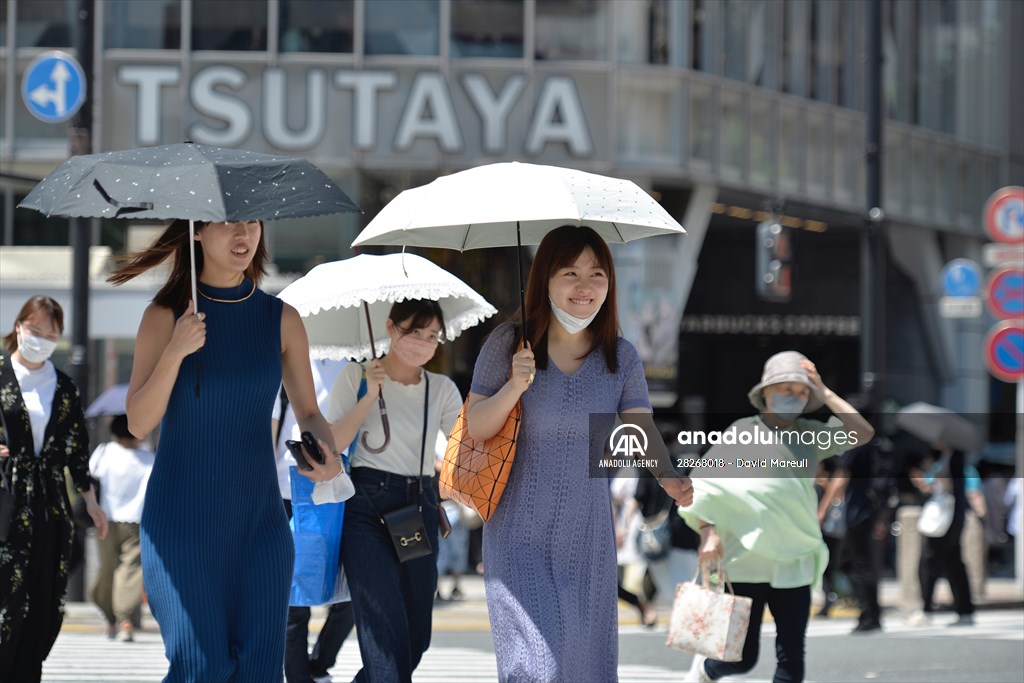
791 608
393 602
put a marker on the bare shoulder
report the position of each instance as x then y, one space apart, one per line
157 321
293 333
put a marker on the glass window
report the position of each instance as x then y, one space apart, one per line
817 153
155 24
315 25
734 138
761 138
705 25
894 172
763 43
736 42
46 23
849 51
229 25
796 32
3 24
647 110
824 50
792 142
703 124
403 27
945 179
921 173
487 28
847 160
572 29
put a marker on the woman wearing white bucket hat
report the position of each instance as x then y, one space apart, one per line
760 519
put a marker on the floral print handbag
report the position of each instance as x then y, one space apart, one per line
707 620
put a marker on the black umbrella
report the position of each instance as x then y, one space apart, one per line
187 181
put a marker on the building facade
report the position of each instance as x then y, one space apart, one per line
730 112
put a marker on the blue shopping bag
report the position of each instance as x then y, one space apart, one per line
317 533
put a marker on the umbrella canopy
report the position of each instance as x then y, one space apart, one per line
187 181
330 299
113 401
938 425
509 204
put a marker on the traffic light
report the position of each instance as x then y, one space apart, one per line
774 262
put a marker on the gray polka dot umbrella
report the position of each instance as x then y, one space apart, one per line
187 181
512 204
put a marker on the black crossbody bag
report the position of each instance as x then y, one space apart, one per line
405 525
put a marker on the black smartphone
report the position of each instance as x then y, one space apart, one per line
295 447
313 448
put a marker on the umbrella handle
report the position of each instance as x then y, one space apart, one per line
385 423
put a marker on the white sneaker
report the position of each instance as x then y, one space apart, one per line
697 673
917 618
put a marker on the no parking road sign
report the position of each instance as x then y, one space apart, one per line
1006 293
1004 351
53 87
1004 215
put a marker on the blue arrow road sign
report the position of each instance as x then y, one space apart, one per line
53 87
961 277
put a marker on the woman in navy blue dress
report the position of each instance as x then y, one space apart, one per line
217 554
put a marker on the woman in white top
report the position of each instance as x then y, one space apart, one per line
393 600
43 431
122 467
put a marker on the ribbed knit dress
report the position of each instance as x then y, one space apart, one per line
217 554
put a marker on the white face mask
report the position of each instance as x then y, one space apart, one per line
35 349
571 323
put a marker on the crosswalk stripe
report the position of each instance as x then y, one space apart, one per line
83 657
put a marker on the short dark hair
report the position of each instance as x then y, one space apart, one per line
119 427
414 314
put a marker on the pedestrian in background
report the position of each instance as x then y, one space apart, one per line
678 562
943 556
393 600
549 551
764 529
634 582
43 431
217 553
301 665
122 467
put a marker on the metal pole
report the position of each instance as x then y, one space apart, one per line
80 142
872 244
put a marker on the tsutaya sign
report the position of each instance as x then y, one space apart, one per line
356 110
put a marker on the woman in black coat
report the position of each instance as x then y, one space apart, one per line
43 432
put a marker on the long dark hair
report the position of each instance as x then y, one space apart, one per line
36 304
559 249
173 241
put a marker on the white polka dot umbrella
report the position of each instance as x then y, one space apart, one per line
512 204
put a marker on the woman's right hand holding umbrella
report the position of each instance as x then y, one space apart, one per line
189 332
524 369
375 376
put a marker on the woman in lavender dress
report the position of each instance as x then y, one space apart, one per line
549 548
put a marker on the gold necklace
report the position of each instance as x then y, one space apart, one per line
228 301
